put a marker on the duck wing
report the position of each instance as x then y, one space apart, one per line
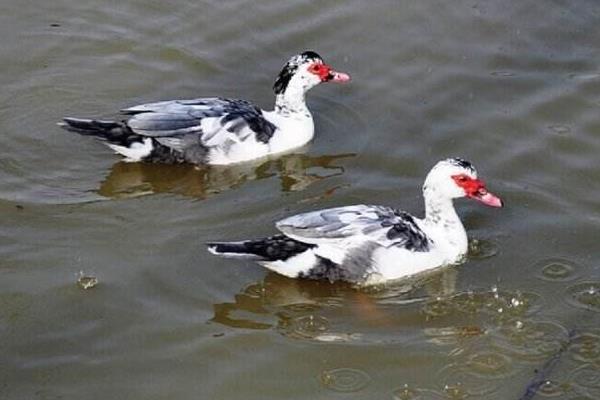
356 225
204 123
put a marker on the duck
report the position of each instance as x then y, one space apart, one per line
372 244
217 130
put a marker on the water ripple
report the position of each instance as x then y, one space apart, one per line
586 377
480 249
452 334
556 269
346 380
586 347
529 340
490 364
552 388
460 383
304 327
407 392
480 375
585 295
501 304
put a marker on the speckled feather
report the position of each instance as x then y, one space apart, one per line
384 225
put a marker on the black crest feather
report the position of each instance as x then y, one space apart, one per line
309 54
462 163
290 68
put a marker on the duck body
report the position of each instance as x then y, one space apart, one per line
367 244
216 131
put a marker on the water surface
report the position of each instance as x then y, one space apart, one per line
512 86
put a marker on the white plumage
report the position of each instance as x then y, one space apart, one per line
370 244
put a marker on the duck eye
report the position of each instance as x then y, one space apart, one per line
462 178
317 69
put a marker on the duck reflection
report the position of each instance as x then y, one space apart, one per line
295 171
277 300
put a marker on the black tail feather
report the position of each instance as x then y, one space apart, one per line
89 126
278 247
111 131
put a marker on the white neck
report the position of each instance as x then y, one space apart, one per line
290 102
292 117
441 216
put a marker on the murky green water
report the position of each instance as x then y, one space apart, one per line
512 86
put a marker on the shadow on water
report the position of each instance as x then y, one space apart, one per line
266 304
489 334
301 308
295 172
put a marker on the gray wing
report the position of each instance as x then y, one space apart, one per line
383 225
208 122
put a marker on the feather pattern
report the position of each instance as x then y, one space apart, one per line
384 225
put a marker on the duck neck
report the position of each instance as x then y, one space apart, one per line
441 214
292 102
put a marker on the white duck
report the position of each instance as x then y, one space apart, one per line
217 131
366 244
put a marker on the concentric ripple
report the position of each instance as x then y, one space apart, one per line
476 378
305 326
490 365
530 340
551 389
586 348
505 304
588 378
407 392
457 392
585 295
480 249
346 380
556 269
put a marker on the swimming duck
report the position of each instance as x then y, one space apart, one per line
215 130
367 244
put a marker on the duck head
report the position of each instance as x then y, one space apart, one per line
455 178
305 71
